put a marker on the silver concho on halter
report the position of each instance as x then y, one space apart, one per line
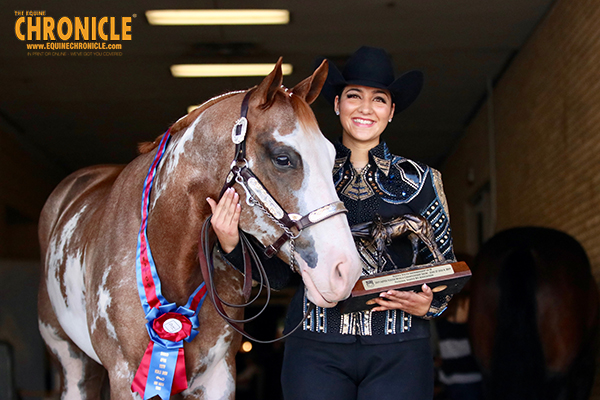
265 198
236 137
325 212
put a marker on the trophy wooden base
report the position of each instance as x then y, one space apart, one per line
442 279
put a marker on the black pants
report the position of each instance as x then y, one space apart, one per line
314 370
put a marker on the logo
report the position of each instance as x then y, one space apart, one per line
72 36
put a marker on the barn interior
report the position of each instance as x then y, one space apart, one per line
508 113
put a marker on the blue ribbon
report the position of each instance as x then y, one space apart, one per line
161 371
164 352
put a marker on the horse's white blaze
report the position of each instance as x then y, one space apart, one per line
74 366
71 309
217 380
104 301
333 242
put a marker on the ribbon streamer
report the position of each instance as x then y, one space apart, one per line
162 369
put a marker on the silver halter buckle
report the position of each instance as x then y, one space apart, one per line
238 137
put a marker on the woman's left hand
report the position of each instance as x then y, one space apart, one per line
411 302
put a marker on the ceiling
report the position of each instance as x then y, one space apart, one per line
80 110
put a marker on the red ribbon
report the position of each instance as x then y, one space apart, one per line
141 376
161 327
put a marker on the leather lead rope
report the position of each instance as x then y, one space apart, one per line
205 255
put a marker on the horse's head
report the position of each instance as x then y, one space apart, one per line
291 157
287 152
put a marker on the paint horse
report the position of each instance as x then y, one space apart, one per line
90 314
533 319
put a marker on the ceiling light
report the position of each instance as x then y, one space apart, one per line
218 17
221 70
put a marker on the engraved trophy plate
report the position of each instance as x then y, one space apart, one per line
443 279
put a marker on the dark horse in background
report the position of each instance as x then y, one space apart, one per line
534 316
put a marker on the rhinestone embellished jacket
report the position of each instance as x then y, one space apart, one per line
388 187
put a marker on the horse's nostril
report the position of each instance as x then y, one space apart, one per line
339 270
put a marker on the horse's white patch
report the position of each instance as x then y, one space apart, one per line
73 366
71 309
57 252
262 225
104 300
123 371
136 396
179 148
318 156
217 380
171 159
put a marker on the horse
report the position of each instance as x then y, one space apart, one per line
89 299
533 318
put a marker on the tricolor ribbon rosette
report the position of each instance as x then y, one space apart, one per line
162 370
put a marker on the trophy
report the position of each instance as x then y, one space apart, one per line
441 276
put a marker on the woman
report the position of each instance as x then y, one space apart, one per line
383 353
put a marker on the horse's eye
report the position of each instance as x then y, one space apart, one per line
282 161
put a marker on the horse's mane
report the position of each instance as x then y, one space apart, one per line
303 110
184 122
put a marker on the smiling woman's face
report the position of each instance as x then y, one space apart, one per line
364 113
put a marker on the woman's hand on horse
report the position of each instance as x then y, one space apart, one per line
225 219
415 303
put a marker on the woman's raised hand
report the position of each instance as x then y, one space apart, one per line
225 219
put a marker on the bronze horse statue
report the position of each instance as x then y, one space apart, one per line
89 308
379 234
533 318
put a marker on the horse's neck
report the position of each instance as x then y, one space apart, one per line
178 208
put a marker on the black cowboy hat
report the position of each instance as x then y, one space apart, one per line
372 66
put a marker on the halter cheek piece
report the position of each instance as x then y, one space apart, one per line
256 195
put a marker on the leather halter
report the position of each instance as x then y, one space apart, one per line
256 195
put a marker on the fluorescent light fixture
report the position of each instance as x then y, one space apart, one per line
222 70
218 17
192 108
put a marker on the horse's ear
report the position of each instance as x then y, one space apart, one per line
310 88
269 86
